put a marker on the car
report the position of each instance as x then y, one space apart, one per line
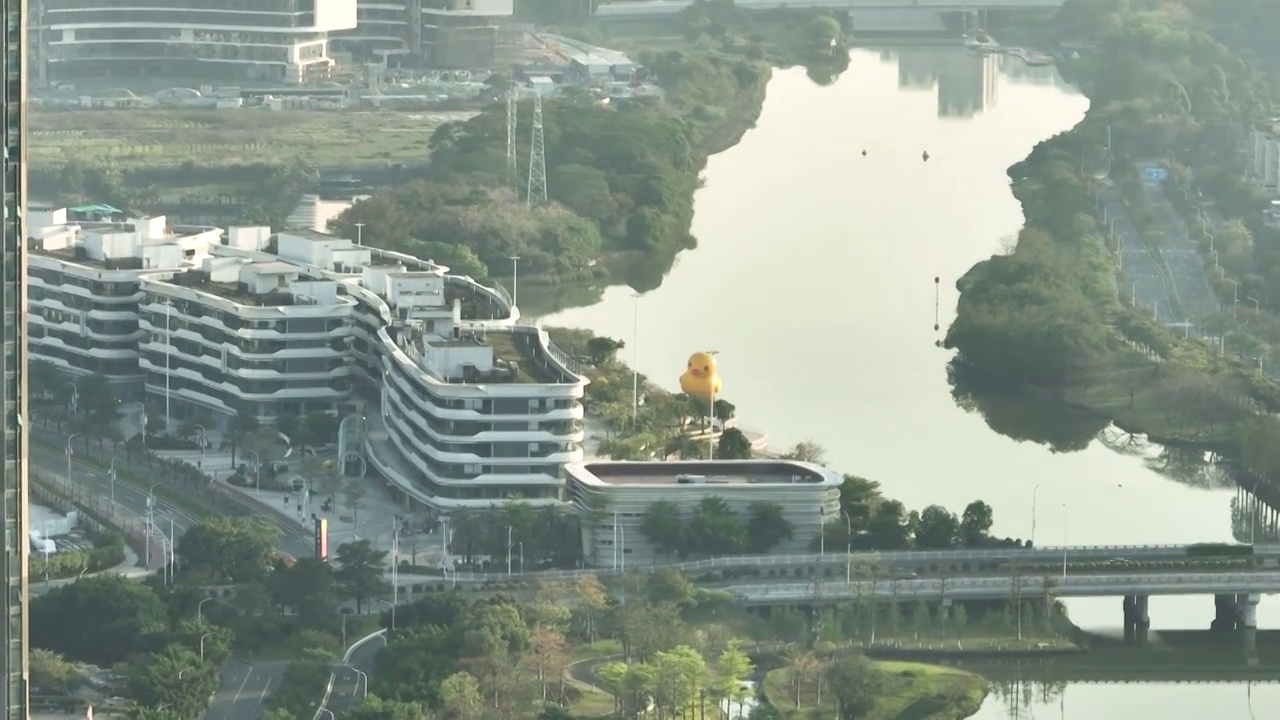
904 573
1117 561
298 484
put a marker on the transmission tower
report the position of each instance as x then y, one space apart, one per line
513 168
537 158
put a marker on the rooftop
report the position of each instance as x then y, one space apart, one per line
75 254
703 472
235 292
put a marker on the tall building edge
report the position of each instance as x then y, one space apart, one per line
13 361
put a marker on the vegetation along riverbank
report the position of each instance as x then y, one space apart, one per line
1059 316
620 175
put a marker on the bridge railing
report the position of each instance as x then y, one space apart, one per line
857 559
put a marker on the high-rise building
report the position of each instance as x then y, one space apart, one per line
13 355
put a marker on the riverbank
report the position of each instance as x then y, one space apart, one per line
905 689
1058 317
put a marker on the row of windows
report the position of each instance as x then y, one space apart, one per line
167 13
480 492
97 287
76 340
183 315
135 51
216 379
533 450
114 367
76 302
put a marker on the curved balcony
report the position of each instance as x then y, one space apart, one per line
414 416
413 459
471 458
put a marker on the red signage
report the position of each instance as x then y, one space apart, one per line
322 538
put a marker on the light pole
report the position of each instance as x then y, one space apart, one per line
69 454
521 546
509 546
326 710
204 637
111 473
391 605
635 359
151 525
711 417
848 547
168 362
1034 490
515 278
360 675
200 608
203 442
395 569
1257 307
360 233
1235 291
1064 541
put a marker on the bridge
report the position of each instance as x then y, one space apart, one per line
641 9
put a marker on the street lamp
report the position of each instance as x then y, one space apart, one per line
1064 541
203 442
1257 307
1235 287
515 278
326 710
509 546
204 637
69 454
635 359
848 547
1034 490
257 468
111 473
391 605
360 675
200 608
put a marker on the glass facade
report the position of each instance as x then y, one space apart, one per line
13 367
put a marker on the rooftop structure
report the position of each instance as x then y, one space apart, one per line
611 499
1265 160
83 296
250 40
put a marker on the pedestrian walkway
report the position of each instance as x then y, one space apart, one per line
1180 252
130 567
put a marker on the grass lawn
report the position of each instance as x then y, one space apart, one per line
915 692
168 137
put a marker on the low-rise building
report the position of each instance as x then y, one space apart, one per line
611 498
1265 160
84 289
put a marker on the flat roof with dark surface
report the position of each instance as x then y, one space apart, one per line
706 472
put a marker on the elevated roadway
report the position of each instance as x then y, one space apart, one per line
1134 583
641 9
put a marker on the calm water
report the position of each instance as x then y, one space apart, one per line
814 279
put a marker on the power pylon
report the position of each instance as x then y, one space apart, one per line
513 167
537 191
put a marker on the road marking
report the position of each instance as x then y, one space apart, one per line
263 697
236 699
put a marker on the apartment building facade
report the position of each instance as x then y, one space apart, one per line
84 290
267 41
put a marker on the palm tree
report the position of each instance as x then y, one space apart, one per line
242 426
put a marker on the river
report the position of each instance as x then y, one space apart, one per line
814 279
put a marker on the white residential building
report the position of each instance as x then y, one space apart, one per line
1265 165
611 499
268 41
244 332
386 31
83 290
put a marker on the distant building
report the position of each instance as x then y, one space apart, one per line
1265 161
268 41
387 32
611 498
466 34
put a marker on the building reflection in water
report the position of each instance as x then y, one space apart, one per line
966 82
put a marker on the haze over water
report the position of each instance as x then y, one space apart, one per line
814 279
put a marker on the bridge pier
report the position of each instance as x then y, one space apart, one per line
1247 620
1137 617
1224 619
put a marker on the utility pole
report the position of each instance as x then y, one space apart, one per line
513 168
537 192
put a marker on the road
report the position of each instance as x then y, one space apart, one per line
133 498
1180 252
349 686
1144 281
245 689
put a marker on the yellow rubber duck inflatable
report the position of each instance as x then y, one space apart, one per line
701 379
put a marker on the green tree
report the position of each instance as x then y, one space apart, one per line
856 683
289 425
766 527
975 524
360 571
51 674
373 707
309 587
602 350
353 492
809 451
223 550
172 678
415 663
889 528
733 445
663 527
458 258
318 428
715 530
939 528
460 697
100 619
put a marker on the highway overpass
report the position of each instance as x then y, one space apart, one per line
641 9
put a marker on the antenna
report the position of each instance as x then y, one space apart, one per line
537 158
513 171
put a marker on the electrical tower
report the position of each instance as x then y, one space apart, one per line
537 158
513 167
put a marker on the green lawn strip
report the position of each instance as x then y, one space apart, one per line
915 691
127 475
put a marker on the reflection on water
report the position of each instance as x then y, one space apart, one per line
1025 416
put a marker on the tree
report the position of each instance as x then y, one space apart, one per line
733 445
243 426
97 405
373 707
939 528
318 428
889 528
592 599
766 527
223 550
458 258
678 676
460 697
807 451
547 648
975 524
360 571
51 674
309 587
602 350
154 680
715 530
732 667
663 527
289 424
857 682
415 663
353 493
100 619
